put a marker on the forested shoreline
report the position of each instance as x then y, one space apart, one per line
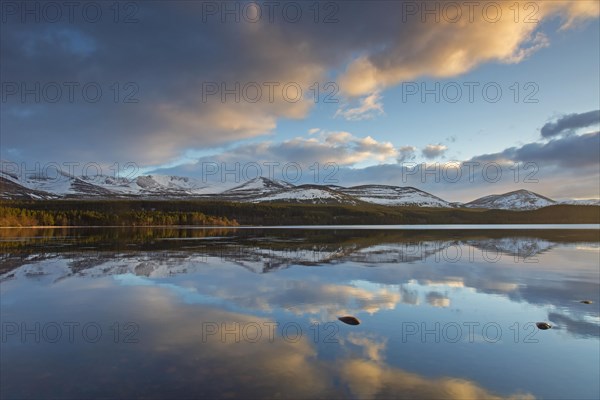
212 213
21 215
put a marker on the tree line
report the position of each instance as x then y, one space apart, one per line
219 213
22 216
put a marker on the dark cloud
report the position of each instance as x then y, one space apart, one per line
577 327
169 54
173 50
571 122
569 151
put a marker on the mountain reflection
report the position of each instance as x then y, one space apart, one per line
263 251
409 268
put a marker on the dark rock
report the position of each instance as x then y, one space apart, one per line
349 320
586 301
543 325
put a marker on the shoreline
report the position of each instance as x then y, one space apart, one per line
515 226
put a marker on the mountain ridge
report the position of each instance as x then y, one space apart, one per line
257 190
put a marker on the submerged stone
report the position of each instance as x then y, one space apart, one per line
543 325
349 320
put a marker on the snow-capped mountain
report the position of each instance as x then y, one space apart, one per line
258 190
52 185
517 200
11 190
394 196
255 188
313 194
62 184
157 185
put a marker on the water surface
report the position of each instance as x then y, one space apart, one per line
253 313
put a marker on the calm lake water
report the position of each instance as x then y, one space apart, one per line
253 313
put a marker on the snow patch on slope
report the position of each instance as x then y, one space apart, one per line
307 194
395 196
517 200
588 202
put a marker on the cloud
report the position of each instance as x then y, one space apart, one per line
432 151
369 106
406 153
312 298
369 379
372 348
437 299
569 151
342 148
174 113
171 81
443 49
571 122
575 326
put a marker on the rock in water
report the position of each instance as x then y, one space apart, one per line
349 320
543 325
586 301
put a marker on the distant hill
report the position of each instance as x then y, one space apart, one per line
517 200
258 190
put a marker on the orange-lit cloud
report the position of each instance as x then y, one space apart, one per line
446 49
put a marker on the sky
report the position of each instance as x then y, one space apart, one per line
459 99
